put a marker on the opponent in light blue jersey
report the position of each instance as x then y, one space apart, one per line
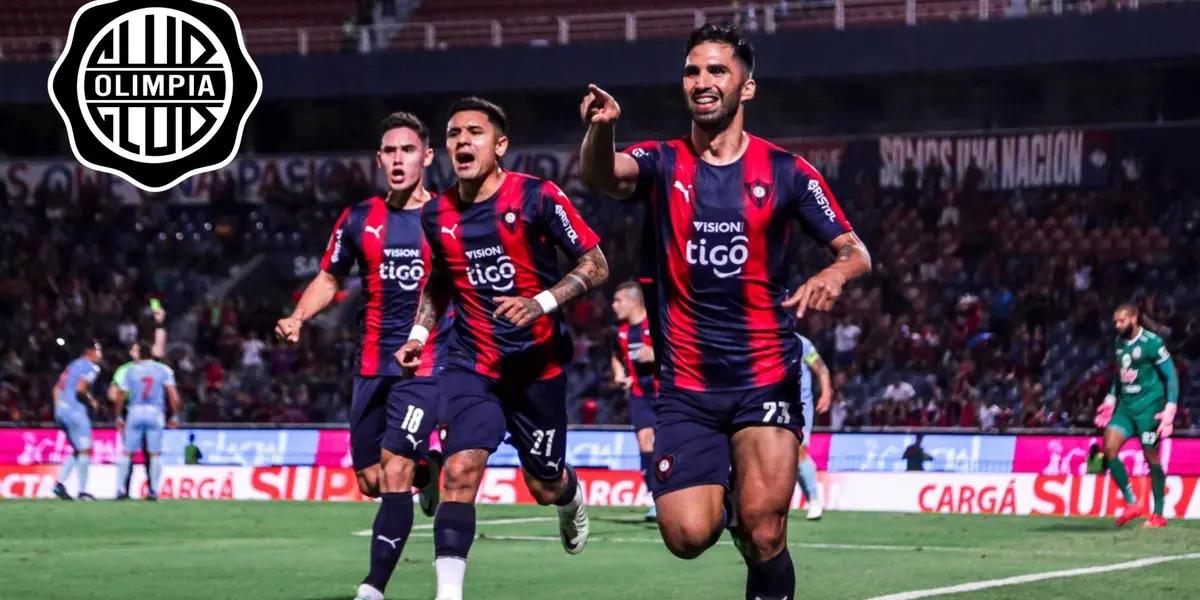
71 393
814 369
147 385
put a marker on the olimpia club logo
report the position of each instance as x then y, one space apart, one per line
155 91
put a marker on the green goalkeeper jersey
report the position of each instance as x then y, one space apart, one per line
1145 370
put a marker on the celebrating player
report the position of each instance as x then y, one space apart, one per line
807 475
70 413
633 369
719 202
159 351
145 383
391 415
1141 405
494 236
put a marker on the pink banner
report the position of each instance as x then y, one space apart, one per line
333 448
1067 455
818 449
49 446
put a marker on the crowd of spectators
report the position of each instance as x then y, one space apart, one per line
986 310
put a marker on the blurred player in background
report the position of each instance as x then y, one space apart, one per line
114 387
633 369
719 207
813 367
147 385
72 397
393 412
1141 405
495 238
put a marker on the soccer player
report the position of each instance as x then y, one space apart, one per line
495 236
719 202
159 350
145 384
633 369
807 475
1141 405
393 412
70 413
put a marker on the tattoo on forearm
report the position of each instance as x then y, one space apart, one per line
433 302
591 271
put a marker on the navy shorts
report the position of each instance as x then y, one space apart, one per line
641 412
396 413
692 437
478 410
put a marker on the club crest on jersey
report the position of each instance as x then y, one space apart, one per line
663 467
759 192
1137 352
509 218
154 91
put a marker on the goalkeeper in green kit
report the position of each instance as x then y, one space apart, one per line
1141 404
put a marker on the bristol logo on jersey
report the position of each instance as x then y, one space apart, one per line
154 91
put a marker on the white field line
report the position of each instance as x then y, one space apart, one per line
1019 579
429 526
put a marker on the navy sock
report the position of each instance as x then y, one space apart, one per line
648 470
453 529
773 579
393 523
568 495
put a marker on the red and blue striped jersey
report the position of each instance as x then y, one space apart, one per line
715 242
506 245
393 261
629 339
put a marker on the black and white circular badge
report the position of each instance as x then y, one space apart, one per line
155 91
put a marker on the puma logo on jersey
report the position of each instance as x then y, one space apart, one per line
375 231
686 196
450 231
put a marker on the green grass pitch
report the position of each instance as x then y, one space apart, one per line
308 551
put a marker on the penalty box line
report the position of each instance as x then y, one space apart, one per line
1019 579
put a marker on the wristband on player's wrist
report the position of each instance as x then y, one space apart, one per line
419 333
546 300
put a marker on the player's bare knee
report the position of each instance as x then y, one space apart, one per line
461 474
397 474
688 542
544 492
766 539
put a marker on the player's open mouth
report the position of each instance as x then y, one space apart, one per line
463 159
705 102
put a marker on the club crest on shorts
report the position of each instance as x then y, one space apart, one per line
154 91
663 467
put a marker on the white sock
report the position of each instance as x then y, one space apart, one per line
451 571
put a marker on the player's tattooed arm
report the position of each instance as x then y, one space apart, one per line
435 297
590 271
821 291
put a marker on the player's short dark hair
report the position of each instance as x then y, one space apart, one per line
1128 307
632 286
145 350
400 119
494 113
724 34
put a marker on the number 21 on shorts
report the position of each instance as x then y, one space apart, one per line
777 412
